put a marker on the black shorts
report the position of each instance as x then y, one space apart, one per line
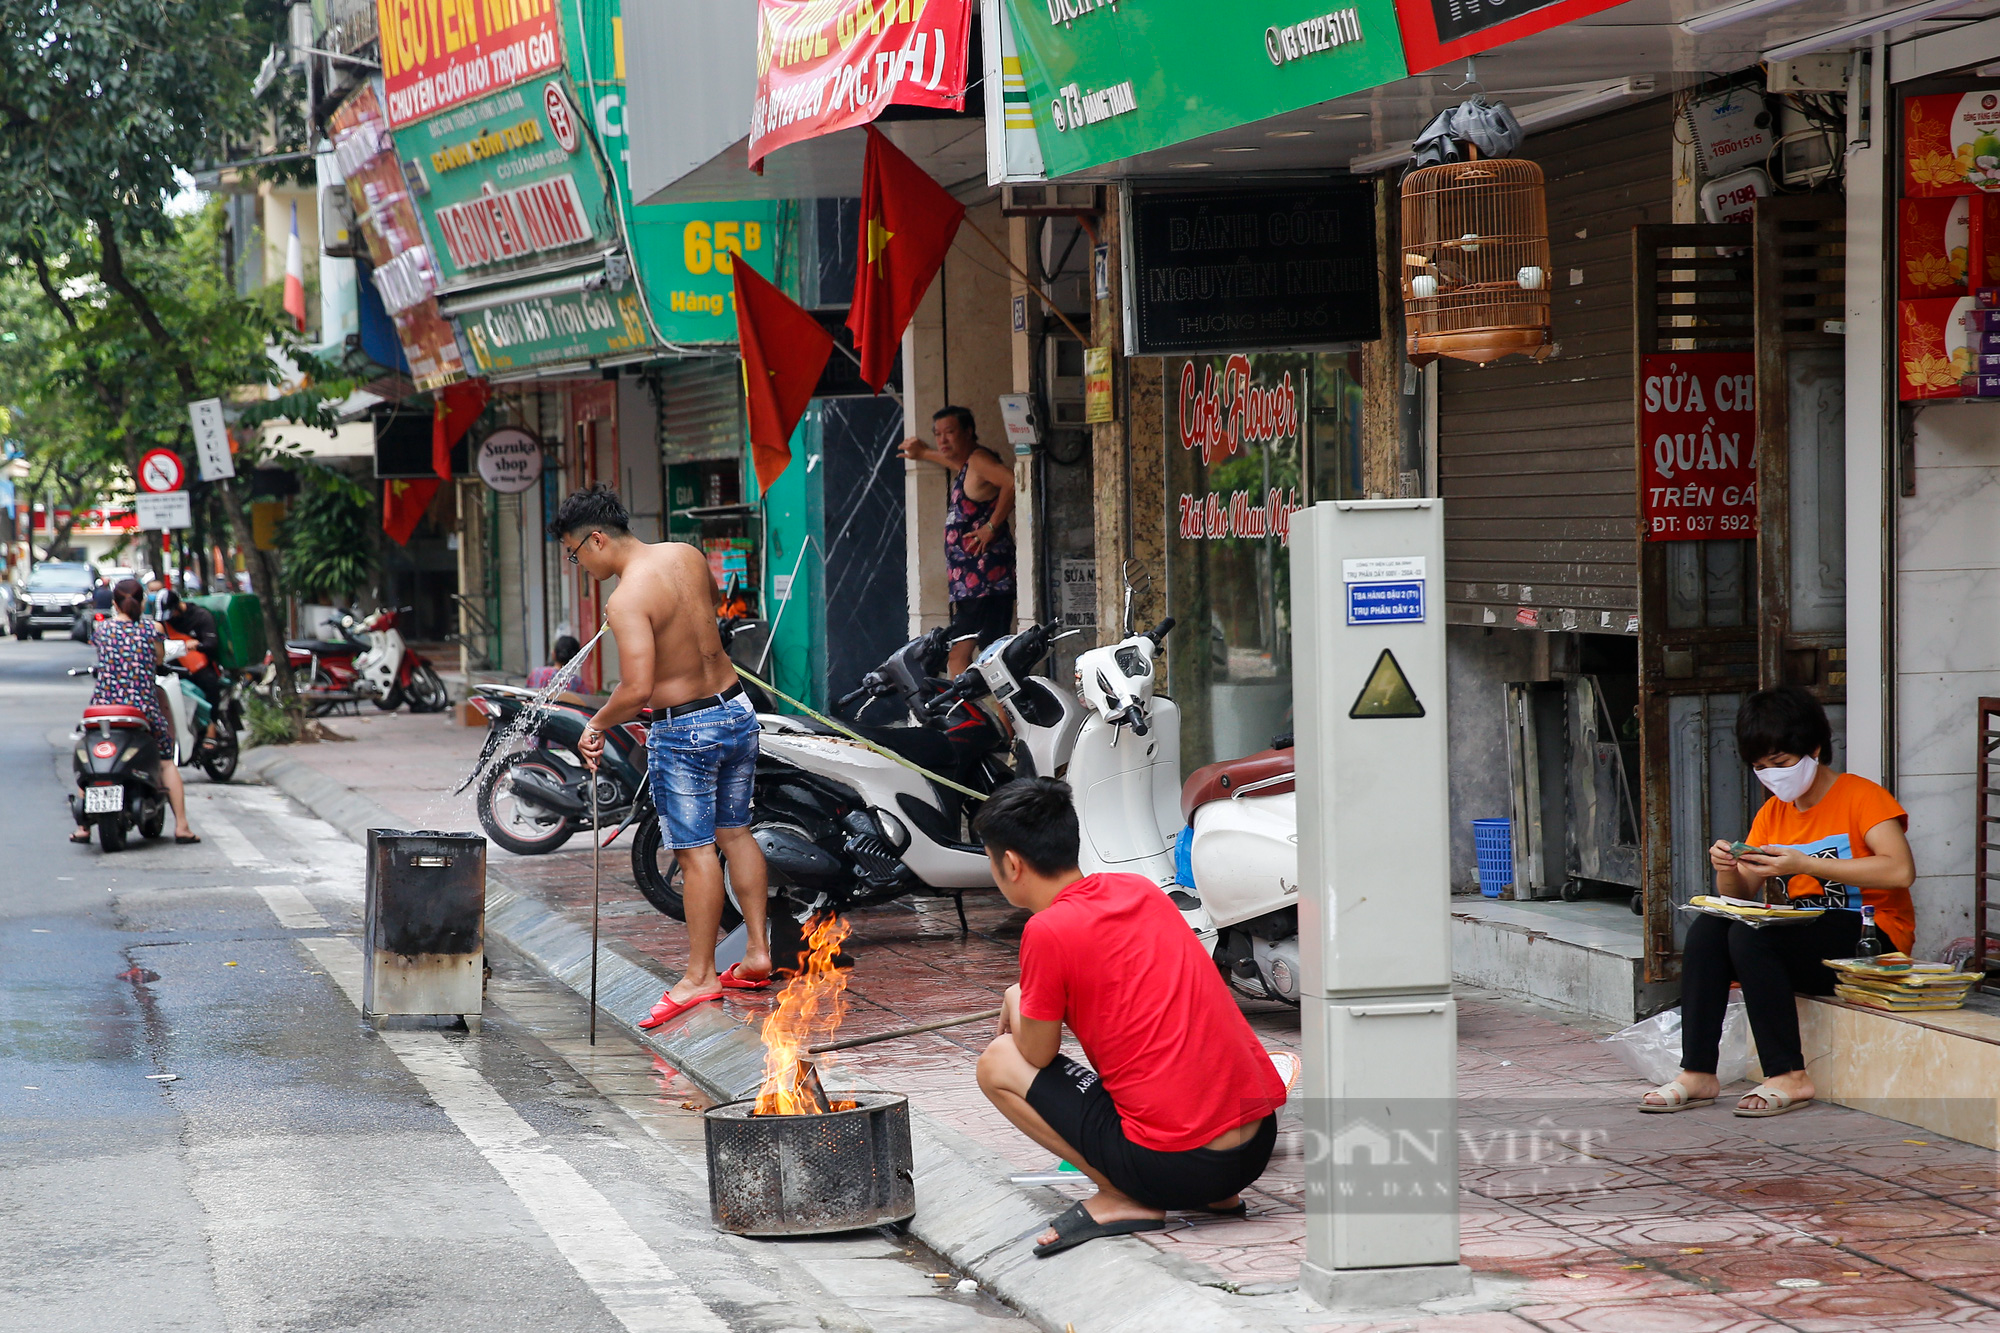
988 617
1076 1106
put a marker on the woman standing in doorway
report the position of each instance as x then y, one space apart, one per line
978 543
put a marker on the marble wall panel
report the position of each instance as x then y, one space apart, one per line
1940 1073
1951 521
1943 908
1934 720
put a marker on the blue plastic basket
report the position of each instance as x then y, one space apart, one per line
1493 840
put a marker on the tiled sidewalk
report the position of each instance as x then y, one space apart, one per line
1580 1213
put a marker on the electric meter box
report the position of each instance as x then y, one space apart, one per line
1378 1027
1369 689
1731 130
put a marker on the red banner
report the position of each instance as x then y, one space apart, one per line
439 53
1698 445
826 65
1438 32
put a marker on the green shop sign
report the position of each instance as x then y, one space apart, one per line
684 253
1107 80
507 183
531 329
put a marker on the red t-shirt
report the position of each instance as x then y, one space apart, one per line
1112 958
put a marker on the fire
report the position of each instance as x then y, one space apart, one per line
809 1009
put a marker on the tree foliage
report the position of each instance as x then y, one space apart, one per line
328 538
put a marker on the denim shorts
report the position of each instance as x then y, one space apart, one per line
701 766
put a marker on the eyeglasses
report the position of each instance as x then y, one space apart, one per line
579 546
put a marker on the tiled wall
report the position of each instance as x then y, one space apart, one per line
1947 650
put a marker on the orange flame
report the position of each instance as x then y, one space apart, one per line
809 1009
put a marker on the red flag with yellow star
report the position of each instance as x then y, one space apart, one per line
907 222
403 505
458 406
784 349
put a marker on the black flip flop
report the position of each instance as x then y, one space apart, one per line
1076 1226
1237 1209
188 841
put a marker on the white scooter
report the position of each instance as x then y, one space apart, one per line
1223 845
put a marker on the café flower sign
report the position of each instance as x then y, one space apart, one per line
1225 408
1223 412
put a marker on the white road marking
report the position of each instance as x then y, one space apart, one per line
231 842
638 1289
292 908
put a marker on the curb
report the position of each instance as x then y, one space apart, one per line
969 1213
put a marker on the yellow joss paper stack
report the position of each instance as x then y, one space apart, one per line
1898 982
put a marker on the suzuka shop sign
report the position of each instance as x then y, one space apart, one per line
1697 445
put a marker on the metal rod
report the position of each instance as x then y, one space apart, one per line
901 1032
1033 286
596 881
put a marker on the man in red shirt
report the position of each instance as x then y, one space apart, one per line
1177 1109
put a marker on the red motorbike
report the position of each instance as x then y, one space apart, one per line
381 668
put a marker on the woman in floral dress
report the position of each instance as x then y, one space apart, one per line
128 648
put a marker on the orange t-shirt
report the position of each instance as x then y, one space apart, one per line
1838 828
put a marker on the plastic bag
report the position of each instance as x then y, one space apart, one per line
1651 1048
1488 126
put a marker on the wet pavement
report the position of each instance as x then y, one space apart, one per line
1577 1212
198 1132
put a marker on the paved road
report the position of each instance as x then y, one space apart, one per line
197 1132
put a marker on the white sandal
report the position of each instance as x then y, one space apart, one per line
1775 1103
1676 1099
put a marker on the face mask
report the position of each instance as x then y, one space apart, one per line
1788 784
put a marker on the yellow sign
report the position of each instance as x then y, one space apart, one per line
1387 693
1097 402
265 516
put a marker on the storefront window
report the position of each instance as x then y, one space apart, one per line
1235 446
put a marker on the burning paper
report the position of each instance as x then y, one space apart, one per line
809 1010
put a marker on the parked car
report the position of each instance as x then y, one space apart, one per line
56 593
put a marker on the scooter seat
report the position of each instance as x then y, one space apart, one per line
1220 781
116 714
919 745
318 647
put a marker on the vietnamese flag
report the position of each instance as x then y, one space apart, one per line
403 504
784 349
457 407
907 222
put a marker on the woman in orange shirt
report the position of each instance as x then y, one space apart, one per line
1835 841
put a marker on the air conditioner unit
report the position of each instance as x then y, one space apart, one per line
1050 200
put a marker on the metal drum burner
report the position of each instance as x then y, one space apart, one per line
807 1175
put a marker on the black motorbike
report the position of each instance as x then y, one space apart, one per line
532 800
825 849
117 764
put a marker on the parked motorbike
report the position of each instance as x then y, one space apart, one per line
381 667
842 826
1223 845
534 799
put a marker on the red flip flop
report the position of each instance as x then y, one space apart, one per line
666 1010
730 981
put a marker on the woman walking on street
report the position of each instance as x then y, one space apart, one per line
128 648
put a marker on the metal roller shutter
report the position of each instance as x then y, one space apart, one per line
702 410
1535 459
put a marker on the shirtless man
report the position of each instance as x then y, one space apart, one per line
674 673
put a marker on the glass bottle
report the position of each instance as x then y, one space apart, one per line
1871 944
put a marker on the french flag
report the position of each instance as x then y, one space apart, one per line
295 276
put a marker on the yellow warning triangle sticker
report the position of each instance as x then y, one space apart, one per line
1387 693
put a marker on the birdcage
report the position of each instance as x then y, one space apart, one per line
1476 261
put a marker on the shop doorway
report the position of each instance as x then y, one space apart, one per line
1719 618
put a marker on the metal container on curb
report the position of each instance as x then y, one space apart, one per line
424 956
808 1175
